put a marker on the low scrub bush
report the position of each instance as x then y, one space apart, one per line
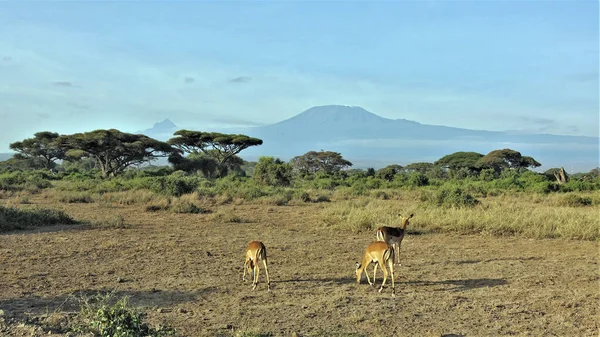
451 197
32 181
223 217
115 221
21 218
186 206
103 317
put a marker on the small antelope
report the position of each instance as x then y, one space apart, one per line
393 235
380 253
256 252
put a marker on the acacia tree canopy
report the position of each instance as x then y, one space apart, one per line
114 150
222 147
42 146
459 160
313 161
507 159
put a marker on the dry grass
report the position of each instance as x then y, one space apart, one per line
184 269
552 217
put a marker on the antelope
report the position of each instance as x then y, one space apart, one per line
393 235
380 253
256 252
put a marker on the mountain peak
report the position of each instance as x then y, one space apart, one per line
165 124
334 114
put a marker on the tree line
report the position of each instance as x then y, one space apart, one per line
215 155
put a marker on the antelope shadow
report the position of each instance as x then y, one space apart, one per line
462 285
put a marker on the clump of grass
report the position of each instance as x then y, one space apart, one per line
280 199
115 221
223 217
16 218
185 206
132 197
75 197
378 194
303 196
575 200
102 316
322 198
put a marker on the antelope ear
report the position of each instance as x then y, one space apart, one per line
357 265
411 215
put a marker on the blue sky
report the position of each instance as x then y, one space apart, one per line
69 66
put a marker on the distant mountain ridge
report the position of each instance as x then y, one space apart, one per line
364 137
369 140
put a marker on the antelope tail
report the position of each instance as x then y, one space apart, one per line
380 235
389 253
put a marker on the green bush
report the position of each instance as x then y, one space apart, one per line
272 172
418 179
175 185
32 181
453 197
99 317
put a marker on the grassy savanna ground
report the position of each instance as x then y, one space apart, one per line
486 270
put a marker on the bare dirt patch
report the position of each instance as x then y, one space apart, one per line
185 270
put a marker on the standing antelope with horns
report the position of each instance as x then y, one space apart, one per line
393 235
256 252
380 253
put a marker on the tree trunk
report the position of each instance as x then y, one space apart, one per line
561 176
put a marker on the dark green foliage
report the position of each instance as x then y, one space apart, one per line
113 150
272 172
195 162
389 172
15 218
31 181
458 160
506 159
453 197
174 185
42 146
418 179
327 162
222 147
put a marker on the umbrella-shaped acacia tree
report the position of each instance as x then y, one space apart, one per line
222 147
113 150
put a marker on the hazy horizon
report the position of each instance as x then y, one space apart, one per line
77 66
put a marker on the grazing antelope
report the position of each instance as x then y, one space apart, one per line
393 235
256 252
380 253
